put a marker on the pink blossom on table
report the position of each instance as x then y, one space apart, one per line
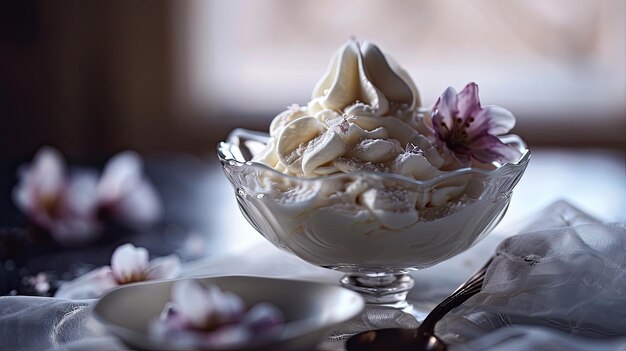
468 130
129 264
40 283
65 206
203 316
126 193
70 206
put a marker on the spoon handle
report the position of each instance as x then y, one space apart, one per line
468 289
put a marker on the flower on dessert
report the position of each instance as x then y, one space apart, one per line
63 205
129 264
72 206
202 315
470 131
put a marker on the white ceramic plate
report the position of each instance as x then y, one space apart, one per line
310 309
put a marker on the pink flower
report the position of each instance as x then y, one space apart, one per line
129 264
205 307
126 193
71 207
64 206
40 282
470 131
203 316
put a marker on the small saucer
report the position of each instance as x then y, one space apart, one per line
310 309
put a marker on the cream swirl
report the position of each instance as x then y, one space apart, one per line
363 116
363 73
345 119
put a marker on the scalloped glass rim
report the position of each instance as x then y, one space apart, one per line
223 151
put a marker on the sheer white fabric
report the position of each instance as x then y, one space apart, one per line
571 279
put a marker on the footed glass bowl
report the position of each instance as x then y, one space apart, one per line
356 223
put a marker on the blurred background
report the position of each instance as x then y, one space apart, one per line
95 77
170 79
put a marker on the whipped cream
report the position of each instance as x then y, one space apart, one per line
363 116
338 207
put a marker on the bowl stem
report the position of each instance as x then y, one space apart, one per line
384 289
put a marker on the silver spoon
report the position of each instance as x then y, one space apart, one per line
423 338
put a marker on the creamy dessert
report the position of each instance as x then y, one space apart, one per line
363 176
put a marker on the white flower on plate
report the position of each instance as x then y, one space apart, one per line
65 206
203 316
205 307
129 264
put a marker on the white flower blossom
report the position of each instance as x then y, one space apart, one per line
129 264
203 316
70 206
65 206
127 193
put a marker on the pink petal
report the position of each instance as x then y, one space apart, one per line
80 196
446 107
230 307
63 206
468 101
500 120
229 336
440 132
44 179
120 175
478 128
205 307
262 317
129 195
47 172
489 148
167 267
23 199
139 207
73 220
88 286
190 300
129 263
444 112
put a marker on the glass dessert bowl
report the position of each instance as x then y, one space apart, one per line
321 221
364 180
